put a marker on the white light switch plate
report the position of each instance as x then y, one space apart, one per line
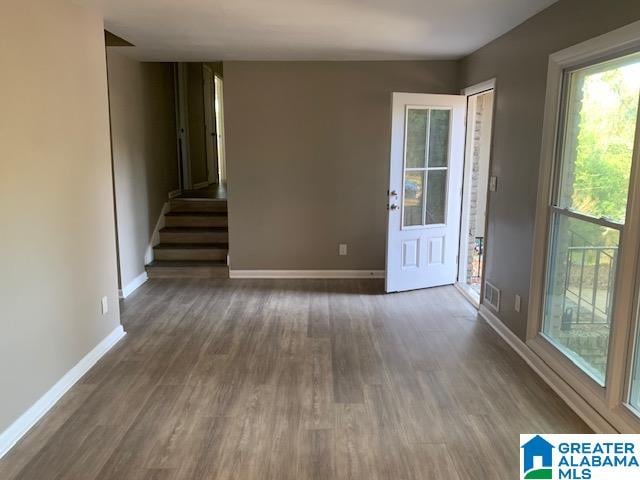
517 303
493 184
342 249
105 305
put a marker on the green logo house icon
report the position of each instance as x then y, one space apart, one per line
537 447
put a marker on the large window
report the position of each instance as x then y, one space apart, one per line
584 304
589 206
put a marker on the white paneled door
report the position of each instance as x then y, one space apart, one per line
425 182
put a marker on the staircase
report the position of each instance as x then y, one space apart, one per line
194 241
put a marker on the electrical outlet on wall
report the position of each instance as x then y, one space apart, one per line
342 249
105 305
518 303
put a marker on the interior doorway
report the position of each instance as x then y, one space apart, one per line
473 235
219 121
211 142
200 126
181 75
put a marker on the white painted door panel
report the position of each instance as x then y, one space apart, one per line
425 181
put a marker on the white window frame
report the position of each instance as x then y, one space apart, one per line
609 401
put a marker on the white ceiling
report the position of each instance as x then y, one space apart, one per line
202 30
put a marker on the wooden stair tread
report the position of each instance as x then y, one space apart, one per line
188 269
198 205
198 199
196 214
168 246
192 229
187 263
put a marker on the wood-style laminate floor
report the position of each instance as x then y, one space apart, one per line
294 379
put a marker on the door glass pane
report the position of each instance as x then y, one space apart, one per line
601 113
439 138
413 204
436 196
417 120
579 294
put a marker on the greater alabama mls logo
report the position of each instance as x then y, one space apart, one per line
537 459
580 457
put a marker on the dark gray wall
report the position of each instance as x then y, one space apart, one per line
518 60
197 141
143 133
308 158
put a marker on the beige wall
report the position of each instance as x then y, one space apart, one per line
58 254
307 147
144 152
519 62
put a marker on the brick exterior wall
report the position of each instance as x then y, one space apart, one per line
475 176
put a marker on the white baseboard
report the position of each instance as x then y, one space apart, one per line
306 273
133 285
197 186
155 235
174 193
28 419
578 404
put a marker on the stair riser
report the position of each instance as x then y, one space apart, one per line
190 254
178 205
195 221
188 272
193 237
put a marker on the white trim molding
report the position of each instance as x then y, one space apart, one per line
306 273
28 419
133 285
472 91
578 404
155 235
479 87
174 193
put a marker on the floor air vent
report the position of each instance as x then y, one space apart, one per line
492 296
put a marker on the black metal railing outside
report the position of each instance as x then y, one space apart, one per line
588 283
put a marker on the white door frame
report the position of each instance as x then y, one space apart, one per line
182 125
219 118
208 86
473 90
